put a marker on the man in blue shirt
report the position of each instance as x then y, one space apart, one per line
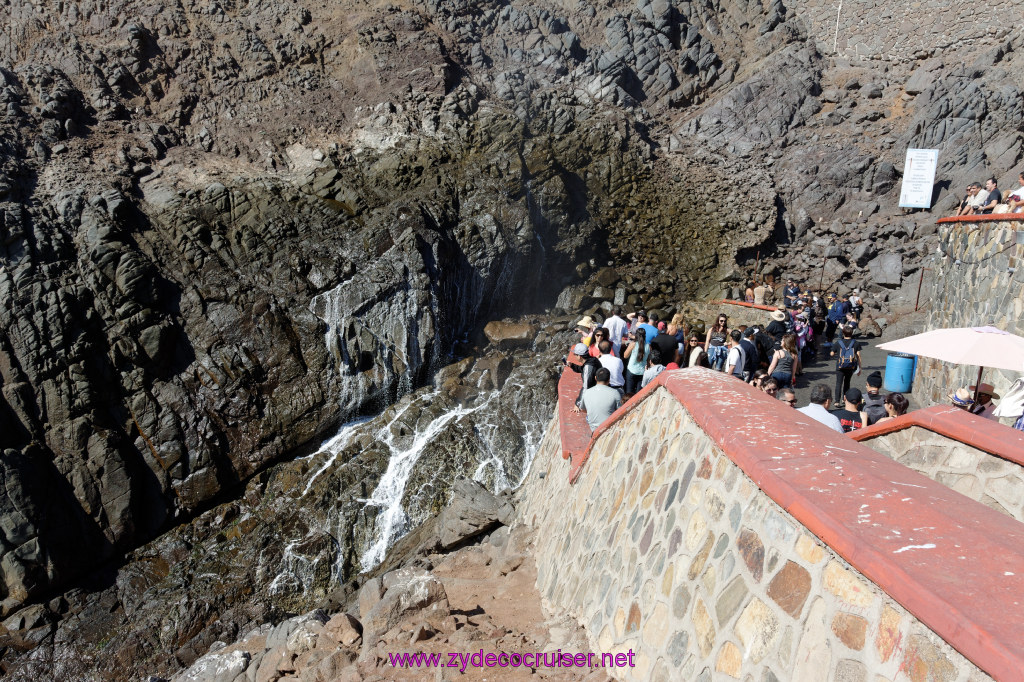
836 317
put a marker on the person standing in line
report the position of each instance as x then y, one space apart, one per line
648 325
737 359
874 402
851 417
600 334
777 327
612 364
896 405
586 327
785 362
817 409
586 366
694 353
836 317
856 304
753 361
655 366
617 329
714 344
636 354
787 396
666 342
599 401
846 351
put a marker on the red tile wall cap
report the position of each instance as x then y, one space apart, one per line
746 305
986 218
955 564
959 425
572 426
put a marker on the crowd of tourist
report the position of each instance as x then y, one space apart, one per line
627 351
989 199
635 348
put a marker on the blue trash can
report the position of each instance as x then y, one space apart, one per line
899 372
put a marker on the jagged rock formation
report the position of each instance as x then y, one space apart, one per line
228 226
302 530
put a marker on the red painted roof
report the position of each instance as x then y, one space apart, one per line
955 564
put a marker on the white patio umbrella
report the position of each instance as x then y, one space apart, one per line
966 346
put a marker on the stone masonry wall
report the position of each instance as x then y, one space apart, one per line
977 291
991 480
904 30
666 548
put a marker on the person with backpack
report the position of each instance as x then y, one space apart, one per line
736 361
874 402
846 351
752 361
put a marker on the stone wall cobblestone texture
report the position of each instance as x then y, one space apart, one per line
974 287
903 30
991 480
666 548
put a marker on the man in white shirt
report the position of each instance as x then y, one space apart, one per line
612 364
821 400
976 200
737 356
616 327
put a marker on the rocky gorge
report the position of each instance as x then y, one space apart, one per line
229 228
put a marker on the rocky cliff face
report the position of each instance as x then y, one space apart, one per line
227 227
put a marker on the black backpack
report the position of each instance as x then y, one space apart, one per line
874 407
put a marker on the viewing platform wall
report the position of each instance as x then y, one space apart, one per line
719 534
978 281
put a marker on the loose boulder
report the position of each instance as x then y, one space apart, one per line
887 270
473 510
510 335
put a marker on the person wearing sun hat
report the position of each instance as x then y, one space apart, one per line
874 402
962 398
777 327
984 407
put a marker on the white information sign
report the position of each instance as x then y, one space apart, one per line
918 178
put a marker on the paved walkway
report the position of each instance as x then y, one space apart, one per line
823 370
